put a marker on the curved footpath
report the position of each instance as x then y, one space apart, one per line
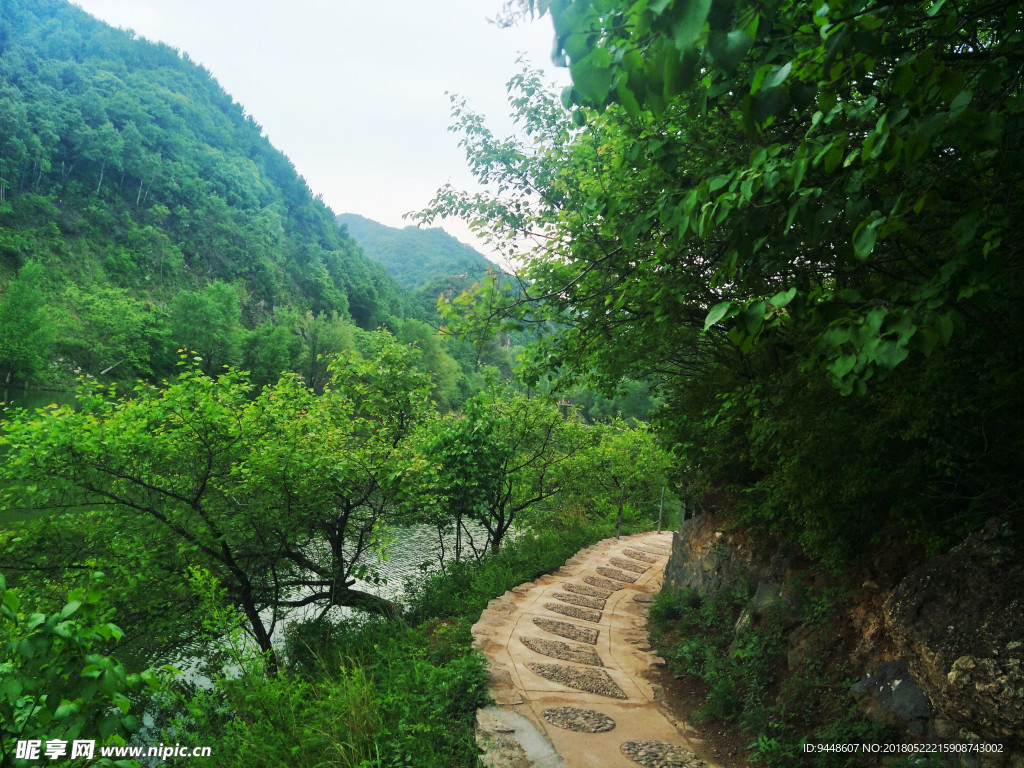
568 658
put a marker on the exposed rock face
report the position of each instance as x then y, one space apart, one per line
702 559
941 652
708 560
769 598
959 621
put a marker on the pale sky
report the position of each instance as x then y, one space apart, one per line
353 91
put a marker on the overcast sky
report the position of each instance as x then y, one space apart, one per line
353 91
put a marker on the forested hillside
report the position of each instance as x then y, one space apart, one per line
156 212
415 256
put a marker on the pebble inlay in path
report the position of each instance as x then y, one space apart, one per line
584 614
582 589
597 581
656 551
614 573
636 554
578 719
583 602
590 680
628 565
567 630
578 654
661 754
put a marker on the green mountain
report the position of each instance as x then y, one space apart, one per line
133 179
415 257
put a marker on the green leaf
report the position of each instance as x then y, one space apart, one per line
889 354
592 75
628 100
67 709
778 77
843 365
770 102
783 298
960 102
944 325
10 688
753 318
687 27
797 171
678 72
26 649
728 49
717 313
865 235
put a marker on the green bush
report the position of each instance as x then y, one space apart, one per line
671 607
56 681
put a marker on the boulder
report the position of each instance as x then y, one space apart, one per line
891 694
958 620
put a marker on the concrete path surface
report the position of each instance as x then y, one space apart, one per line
568 656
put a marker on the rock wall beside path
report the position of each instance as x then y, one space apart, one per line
939 649
568 658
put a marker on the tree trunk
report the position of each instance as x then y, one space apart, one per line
356 598
262 637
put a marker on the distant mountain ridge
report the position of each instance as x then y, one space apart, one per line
414 257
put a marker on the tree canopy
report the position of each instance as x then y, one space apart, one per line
284 495
768 208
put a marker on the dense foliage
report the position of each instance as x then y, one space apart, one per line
372 693
283 494
803 221
754 684
287 497
55 682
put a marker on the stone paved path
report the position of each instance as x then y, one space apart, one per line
568 658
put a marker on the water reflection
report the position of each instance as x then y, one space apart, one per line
15 397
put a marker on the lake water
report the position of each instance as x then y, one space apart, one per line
15 397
